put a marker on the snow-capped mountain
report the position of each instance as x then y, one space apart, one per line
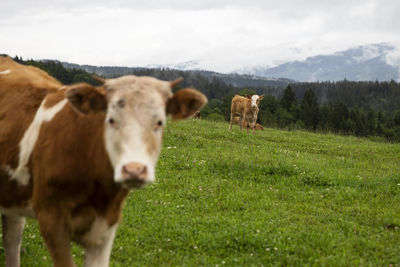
364 63
187 65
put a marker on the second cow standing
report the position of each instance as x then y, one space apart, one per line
247 108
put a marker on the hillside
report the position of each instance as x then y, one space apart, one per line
276 198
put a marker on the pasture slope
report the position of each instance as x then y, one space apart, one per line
277 198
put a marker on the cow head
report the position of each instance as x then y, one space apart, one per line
255 99
136 111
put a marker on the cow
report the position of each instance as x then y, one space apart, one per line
247 108
259 127
236 120
71 154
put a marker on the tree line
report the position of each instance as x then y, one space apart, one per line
56 69
289 112
346 107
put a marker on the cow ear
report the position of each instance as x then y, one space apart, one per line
184 103
248 96
85 98
176 82
261 97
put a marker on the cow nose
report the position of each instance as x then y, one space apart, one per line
134 170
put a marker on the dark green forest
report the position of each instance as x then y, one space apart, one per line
349 108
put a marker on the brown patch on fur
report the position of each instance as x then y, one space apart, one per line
21 93
54 98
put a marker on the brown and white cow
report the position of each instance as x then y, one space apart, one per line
69 155
247 108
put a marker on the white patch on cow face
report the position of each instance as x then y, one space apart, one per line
4 72
28 141
254 100
134 125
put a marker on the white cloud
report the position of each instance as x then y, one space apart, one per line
221 35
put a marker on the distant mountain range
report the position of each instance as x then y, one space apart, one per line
234 79
375 62
363 63
187 65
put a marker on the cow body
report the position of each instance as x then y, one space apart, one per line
247 108
71 154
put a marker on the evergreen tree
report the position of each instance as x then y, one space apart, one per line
309 110
326 117
340 115
288 98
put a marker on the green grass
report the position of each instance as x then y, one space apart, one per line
276 198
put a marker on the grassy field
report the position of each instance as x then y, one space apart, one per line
276 198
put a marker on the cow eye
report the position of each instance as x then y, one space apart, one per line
111 121
159 125
121 103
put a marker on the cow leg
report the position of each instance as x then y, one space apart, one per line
242 121
13 226
245 124
231 122
57 238
99 256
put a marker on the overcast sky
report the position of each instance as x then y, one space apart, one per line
220 35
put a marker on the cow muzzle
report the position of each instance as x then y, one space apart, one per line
134 174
